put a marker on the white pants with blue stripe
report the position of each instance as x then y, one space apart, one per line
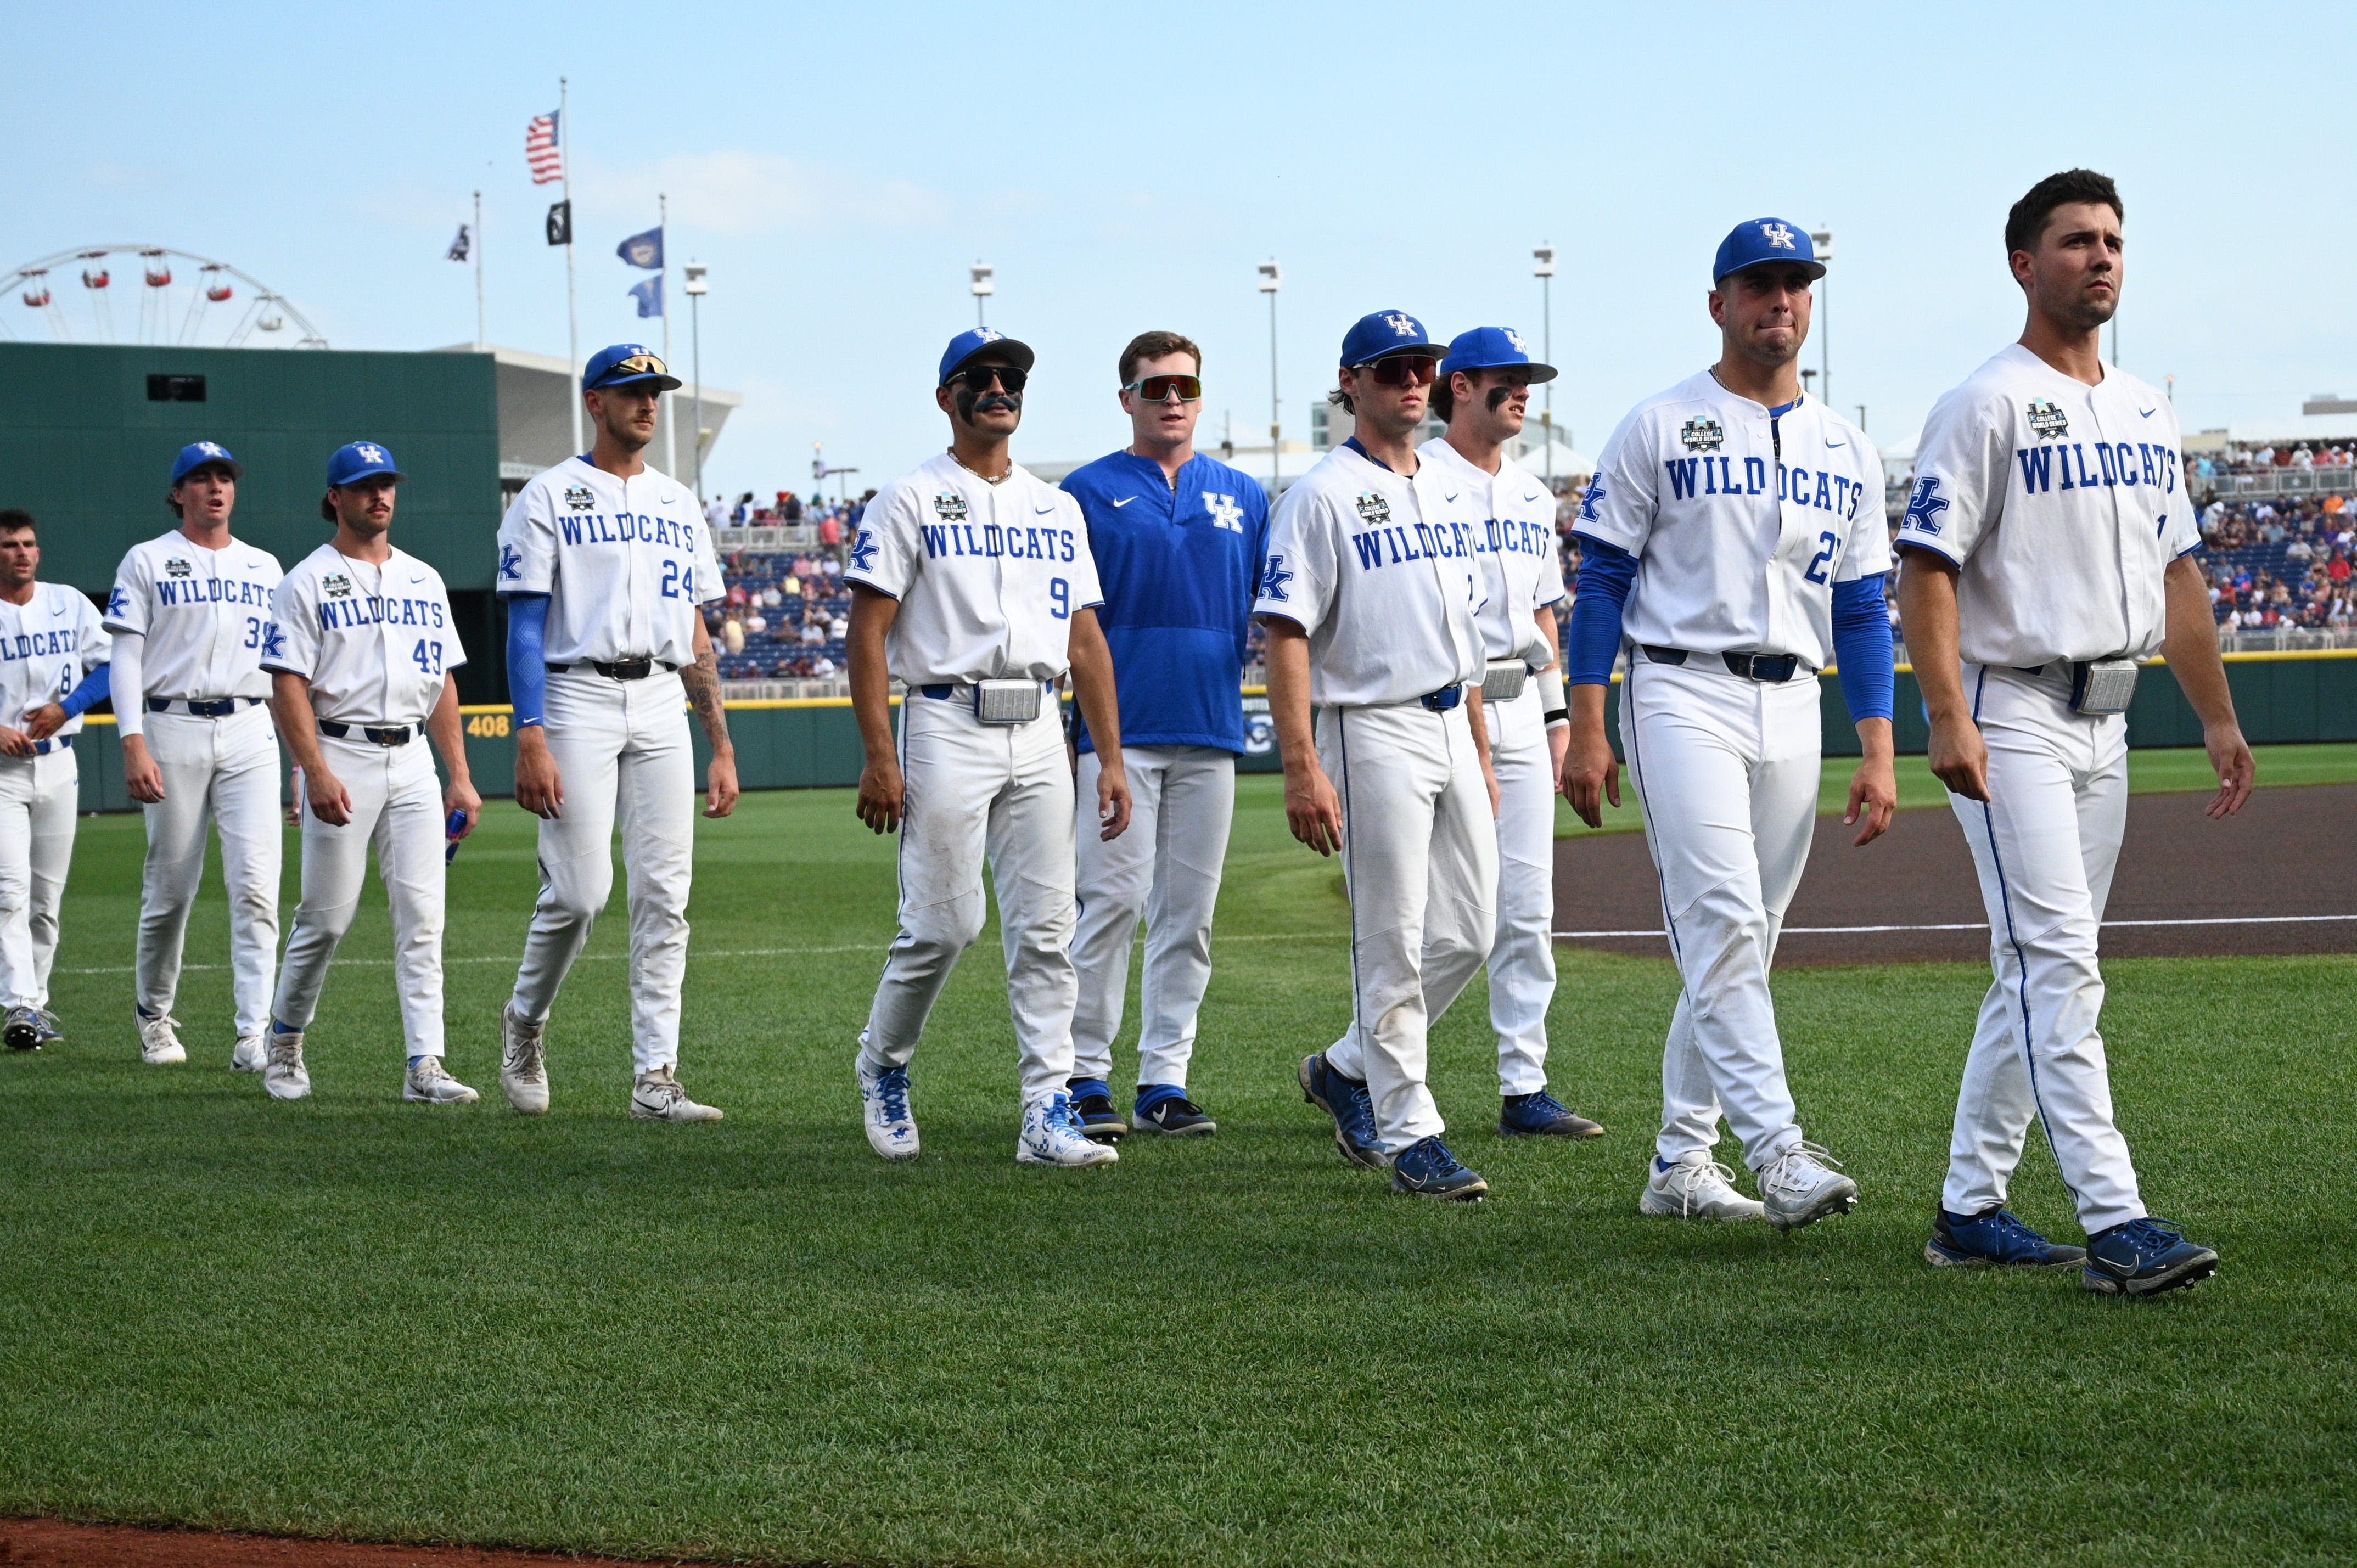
2045 843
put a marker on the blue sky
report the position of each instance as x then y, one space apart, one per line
1124 167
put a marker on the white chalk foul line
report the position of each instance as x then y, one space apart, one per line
1983 926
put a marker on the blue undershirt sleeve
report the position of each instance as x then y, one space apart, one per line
527 662
1862 647
1593 639
95 688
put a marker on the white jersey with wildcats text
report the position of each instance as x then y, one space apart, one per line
624 562
201 614
987 575
2061 503
1512 514
1741 519
1389 589
47 645
374 641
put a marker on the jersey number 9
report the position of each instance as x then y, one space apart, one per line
1062 591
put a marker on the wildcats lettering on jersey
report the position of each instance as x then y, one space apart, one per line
1395 545
1698 476
185 592
2063 466
1512 536
344 615
626 528
37 645
958 540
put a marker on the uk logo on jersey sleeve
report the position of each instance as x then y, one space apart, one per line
1591 505
1273 579
511 565
118 603
1923 509
274 640
863 551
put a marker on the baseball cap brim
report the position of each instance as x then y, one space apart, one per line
662 383
1012 350
1814 269
1427 351
235 469
1539 372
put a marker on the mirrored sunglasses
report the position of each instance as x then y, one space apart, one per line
1158 389
1403 370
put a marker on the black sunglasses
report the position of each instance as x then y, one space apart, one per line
1157 389
1403 370
978 378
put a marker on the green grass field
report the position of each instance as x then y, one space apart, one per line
755 1340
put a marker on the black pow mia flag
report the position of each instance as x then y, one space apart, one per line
560 223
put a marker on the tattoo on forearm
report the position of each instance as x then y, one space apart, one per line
702 679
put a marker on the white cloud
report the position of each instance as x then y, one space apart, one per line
762 193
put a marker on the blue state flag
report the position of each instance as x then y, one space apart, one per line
643 251
650 297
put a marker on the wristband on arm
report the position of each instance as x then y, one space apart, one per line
527 661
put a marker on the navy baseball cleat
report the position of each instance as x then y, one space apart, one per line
2144 1257
23 1029
1994 1238
1345 1099
1427 1169
1542 1115
1092 1108
1164 1107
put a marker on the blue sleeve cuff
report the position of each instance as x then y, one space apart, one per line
1862 648
527 661
1593 639
95 688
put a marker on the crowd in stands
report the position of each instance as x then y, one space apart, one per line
2275 565
2240 459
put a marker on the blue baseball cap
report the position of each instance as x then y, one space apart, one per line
1487 348
1381 334
625 364
1756 241
360 460
197 454
966 345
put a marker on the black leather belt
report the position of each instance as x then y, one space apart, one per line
1440 702
1751 666
202 707
620 669
395 735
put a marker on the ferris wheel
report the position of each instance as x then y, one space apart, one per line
181 299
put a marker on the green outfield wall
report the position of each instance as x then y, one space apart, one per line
2281 698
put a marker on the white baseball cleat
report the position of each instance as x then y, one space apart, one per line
1802 1185
250 1054
659 1098
884 1099
284 1074
523 1064
428 1085
159 1041
1697 1187
1051 1136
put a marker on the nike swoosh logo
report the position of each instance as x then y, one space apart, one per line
1450 497
1534 495
1836 442
61 609
1043 510
2149 413
1122 503
417 579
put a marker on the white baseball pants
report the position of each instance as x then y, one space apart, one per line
1420 863
223 772
1726 770
39 799
397 811
1165 870
622 753
1003 792
2045 844
1522 957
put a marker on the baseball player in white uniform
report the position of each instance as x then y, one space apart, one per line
1371 597
1734 535
604 562
53 666
2047 545
1483 391
972 585
361 647
191 704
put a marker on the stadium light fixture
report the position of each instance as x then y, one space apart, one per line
1271 278
1543 269
1822 239
697 287
982 288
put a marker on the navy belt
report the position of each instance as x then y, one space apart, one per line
1440 702
43 748
395 735
202 707
1776 667
938 693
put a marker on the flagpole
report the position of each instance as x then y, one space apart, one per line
571 313
670 403
480 338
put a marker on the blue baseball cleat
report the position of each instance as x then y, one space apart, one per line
1427 1169
2144 1257
1164 1107
1091 1101
1345 1099
1995 1238
1542 1115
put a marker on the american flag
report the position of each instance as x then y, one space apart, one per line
542 151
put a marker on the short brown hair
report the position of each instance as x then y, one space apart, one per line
16 520
2026 224
1154 346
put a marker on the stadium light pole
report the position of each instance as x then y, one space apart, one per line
982 288
1271 278
1544 270
696 288
1822 239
